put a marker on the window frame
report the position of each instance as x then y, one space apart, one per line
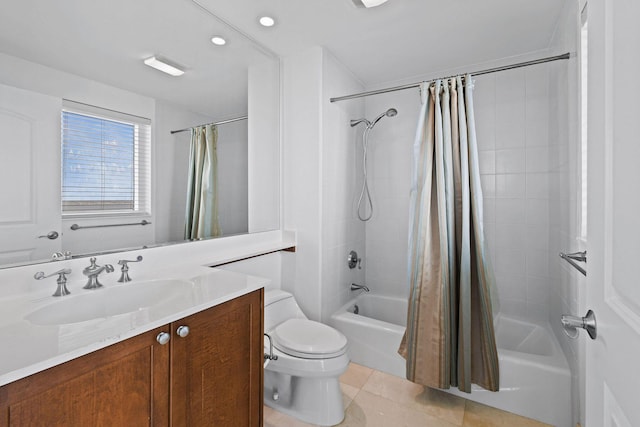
142 159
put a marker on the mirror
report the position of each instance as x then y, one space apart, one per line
91 54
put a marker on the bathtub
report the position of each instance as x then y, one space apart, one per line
535 381
374 334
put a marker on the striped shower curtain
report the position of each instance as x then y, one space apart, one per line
201 216
449 339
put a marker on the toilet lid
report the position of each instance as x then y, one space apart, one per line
308 339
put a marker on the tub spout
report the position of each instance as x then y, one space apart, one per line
355 287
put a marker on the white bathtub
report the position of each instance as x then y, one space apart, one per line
374 334
535 381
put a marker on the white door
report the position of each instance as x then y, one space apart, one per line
613 281
29 175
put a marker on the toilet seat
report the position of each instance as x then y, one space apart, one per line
308 339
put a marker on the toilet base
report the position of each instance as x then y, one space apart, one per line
313 400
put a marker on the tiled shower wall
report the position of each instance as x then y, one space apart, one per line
512 123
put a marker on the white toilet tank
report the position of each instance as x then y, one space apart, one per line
278 307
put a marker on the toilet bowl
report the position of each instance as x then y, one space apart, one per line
304 379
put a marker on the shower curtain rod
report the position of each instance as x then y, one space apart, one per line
221 122
476 73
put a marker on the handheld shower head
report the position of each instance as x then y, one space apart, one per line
391 112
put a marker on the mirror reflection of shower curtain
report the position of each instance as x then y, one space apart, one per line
449 340
201 216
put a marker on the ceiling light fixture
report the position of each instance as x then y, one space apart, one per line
164 66
218 40
267 21
368 3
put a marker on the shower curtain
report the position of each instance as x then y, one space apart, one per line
201 217
449 339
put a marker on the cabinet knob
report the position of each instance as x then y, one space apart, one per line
182 331
163 338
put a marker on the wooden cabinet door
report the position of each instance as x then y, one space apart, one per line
126 384
216 370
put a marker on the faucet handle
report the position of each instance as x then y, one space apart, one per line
123 262
124 277
62 281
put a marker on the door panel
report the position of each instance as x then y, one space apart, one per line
613 291
29 174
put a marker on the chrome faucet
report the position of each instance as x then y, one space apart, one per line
93 271
62 281
124 277
355 287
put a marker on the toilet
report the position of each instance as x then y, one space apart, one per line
304 379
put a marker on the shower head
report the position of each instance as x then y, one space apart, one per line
391 112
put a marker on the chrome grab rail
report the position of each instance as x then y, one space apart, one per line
75 227
573 257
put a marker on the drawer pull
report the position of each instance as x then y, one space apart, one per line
182 331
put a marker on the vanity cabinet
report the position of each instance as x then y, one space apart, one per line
210 376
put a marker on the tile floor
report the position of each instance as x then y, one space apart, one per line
373 398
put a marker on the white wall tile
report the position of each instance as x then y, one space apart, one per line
511 211
511 236
537 186
537 212
510 185
510 110
537 159
511 287
510 161
488 184
509 262
487 161
538 289
489 207
537 262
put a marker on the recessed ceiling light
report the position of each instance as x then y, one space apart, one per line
218 40
368 3
164 66
267 21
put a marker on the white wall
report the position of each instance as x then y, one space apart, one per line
302 171
568 290
264 151
341 179
321 180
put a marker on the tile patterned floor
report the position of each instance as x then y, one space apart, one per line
376 399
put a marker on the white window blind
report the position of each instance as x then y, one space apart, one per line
105 161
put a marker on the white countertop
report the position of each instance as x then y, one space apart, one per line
28 348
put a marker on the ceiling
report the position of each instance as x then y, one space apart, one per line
107 40
401 38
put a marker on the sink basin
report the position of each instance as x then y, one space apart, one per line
152 296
